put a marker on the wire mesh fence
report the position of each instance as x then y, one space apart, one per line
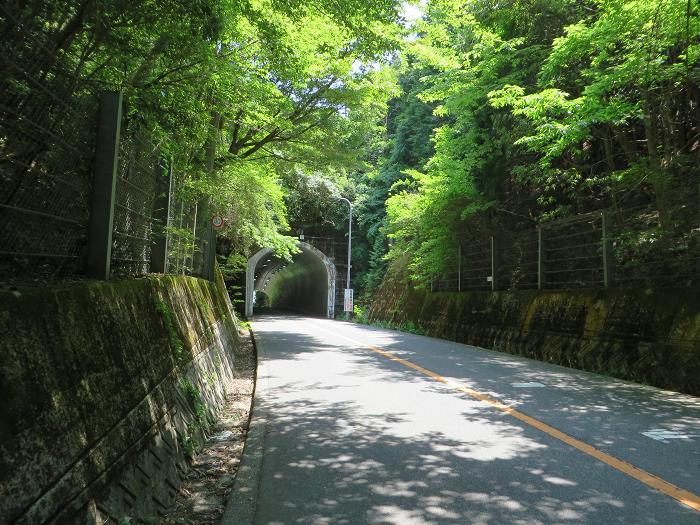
139 166
572 252
633 246
52 129
46 201
517 261
46 150
184 239
653 248
474 268
329 246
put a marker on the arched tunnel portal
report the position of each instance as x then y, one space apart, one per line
306 284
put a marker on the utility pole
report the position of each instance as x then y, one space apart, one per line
348 290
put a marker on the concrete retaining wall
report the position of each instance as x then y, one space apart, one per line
649 336
107 389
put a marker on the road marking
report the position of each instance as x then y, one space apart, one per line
683 496
660 434
527 385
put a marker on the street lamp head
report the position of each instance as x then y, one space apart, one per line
344 199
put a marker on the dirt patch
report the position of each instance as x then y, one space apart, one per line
202 496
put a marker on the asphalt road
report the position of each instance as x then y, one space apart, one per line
450 433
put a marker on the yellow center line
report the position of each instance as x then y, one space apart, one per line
683 496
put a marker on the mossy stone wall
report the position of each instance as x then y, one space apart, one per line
106 388
648 336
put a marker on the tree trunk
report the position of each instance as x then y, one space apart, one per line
658 173
147 65
628 148
607 148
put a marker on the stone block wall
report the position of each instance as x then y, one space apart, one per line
648 336
106 390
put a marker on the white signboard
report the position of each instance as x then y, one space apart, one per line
347 303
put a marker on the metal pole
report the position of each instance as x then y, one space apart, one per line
494 264
104 183
347 286
607 250
194 238
349 241
540 258
459 267
161 214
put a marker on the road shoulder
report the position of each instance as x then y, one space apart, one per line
242 500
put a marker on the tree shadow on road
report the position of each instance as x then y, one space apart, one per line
352 451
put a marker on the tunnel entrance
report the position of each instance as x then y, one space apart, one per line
306 284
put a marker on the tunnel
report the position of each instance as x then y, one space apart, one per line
305 285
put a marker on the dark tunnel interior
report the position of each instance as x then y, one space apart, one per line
300 285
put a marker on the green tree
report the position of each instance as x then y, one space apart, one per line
617 104
472 49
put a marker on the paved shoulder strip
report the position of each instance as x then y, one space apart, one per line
242 501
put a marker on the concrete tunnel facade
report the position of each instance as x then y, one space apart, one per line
306 284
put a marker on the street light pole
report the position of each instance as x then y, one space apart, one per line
347 286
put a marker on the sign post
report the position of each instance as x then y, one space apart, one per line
347 303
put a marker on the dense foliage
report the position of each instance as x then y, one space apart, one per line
478 115
548 108
241 95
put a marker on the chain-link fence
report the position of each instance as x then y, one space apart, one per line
156 215
47 132
657 248
62 211
46 201
636 245
139 167
184 236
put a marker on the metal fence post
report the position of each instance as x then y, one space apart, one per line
192 268
608 261
99 249
203 264
208 250
211 259
494 264
161 214
540 258
459 267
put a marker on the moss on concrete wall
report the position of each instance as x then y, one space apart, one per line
94 380
648 336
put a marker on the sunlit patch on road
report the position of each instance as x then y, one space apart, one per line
410 439
663 435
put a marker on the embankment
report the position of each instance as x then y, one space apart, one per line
648 336
107 389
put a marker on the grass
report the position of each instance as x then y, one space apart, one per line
360 317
